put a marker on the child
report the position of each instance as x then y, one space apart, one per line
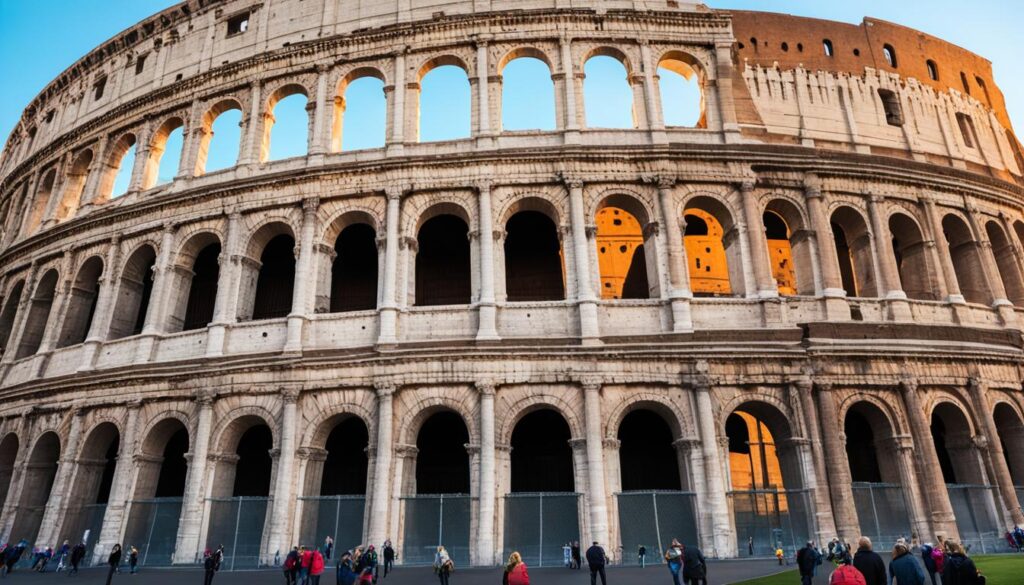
779 554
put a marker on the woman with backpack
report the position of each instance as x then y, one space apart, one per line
443 565
515 571
958 569
674 558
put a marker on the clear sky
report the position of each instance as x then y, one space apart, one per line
40 38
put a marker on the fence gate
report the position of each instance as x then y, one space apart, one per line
977 516
432 521
340 517
153 529
652 519
772 518
538 525
237 523
82 519
882 510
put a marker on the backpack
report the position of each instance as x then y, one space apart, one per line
939 559
847 575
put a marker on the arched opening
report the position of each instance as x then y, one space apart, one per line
286 125
164 154
155 508
541 455
117 175
196 283
622 257
42 199
712 249
890 55
788 251
442 462
769 503
354 272
221 138
134 291
275 280
527 94
8 455
444 102
1010 428
38 315
533 258
9 314
39 474
966 256
81 303
346 464
74 185
93 479
878 493
913 260
607 94
360 112
853 251
680 83
1006 263
443 262
647 459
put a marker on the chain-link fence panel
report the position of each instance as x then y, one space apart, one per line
237 523
432 521
771 519
882 510
340 517
977 517
153 529
27 523
83 523
538 525
652 520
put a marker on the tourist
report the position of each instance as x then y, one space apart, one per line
1018 535
210 567
328 547
596 560
291 566
695 569
305 560
62 555
515 571
904 569
133 560
113 561
933 558
369 561
366 577
846 574
779 554
577 560
641 556
1010 540
567 555
12 554
316 567
346 572
674 558
958 568
869 563
443 565
77 554
389 556
807 560
750 545
357 560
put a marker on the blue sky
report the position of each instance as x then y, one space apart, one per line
71 28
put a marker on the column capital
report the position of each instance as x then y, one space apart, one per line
204 398
384 389
812 186
407 451
980 442
310 205
571 180
578 444
804 384
746 186
472 448
976 384
290 395
396 192
483 186
590 384
312 453
686 444
611 443
908 385
485 387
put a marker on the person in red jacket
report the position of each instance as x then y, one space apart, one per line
316 567
305 561
515 571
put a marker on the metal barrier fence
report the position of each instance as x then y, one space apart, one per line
83 519
652 519
538 525
27 524
237 523
153 529
340 517
882 510
977 516
772 518
432 521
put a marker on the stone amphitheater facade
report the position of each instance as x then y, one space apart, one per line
910 318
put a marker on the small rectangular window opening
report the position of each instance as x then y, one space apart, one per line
98 88
893 109
966 129
829 50
238 24
140 64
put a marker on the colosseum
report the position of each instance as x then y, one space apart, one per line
798 316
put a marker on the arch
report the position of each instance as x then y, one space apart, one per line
541 458
527 92
344 437
163 466
134 290
9 314
889 53
244 467
789 247
534 261
74 185
1006 263
953 436
94 477
913 260
38 315
966 255
360 111
627 269
269 283
38 477
648 459
712 248
442 461
288 137
1018 228
867 427
853 248
607 94
223 119
168 137
116 175
681 80
354 272
194 282
43 193
763 465
9 446
1010 430
443 102
442 270
81 303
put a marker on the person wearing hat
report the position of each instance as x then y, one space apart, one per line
904 568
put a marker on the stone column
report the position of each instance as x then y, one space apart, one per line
382 474
724 539
388 311
487 328
20 316
156 317
839 479
250 151
572 116
224 310
994 452
318 144
488 502
107 296
942 520
597 497
397 108
753 217
824 520
690 455
934 219
679 293
990 268
892 288
483 93
120 490
585 300
828 260
903 449
53 516
723 95
191 523
652 102
280 537
305 278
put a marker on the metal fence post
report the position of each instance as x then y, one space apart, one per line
540 547
657 523
234 543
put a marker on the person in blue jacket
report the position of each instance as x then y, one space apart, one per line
346 571
904 568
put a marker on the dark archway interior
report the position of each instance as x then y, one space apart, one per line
1010 428
845 260
861 451
147 292
174 468
107 477
696 226
533 258
636 285
541 455
647 458
345 467
939 436
276 280
354 273
739 436
442 465
774 227
252 473
203 291
442 263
